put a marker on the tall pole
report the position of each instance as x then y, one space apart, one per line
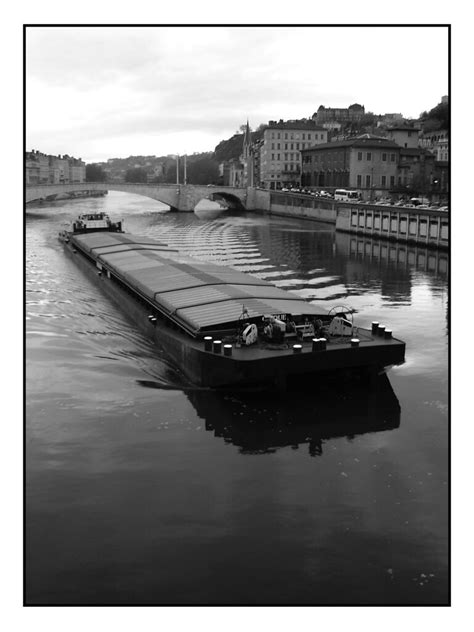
185 173
177 168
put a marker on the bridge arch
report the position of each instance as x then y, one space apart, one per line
232 201
181 197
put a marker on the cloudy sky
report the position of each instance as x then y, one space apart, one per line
99 93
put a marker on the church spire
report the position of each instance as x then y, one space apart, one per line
247 140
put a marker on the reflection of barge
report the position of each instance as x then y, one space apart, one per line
219 325
257 424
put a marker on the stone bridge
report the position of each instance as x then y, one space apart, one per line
180 197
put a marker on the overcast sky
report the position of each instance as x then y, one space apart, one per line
99 93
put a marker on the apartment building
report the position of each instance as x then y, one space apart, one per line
46 169
404 136
367 163
277 156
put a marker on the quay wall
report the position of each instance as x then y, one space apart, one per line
428 227
302 207
421 226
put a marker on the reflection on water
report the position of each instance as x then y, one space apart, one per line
259 425
173 494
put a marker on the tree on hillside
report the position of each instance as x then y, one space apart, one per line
203 170
137 174
437 118
95 173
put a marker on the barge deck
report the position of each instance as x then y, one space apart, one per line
201 313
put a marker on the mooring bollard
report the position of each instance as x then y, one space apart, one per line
355 342
316 345
375 326
217 346
388 334
297 348
322 342
227 350
381 330
208 343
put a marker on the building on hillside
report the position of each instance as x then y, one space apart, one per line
404 136
390 120
333 127
437 142
367 163
277 156
352 114
416 170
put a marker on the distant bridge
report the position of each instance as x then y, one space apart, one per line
180 197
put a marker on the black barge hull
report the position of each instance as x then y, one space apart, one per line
253 365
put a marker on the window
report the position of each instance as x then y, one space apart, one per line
359 181
286 145
297 145
303 135
369 155
384 181
367 181
286 136
392 181
286 156
359 155
291 146
273 156
392 157
278 156
322 136
278 145
273 145
384 157
309 136
278 135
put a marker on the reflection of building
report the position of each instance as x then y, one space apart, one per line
367 163
380 258
258 423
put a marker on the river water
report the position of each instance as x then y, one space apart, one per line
143 490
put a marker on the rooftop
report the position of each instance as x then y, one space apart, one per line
305 125
367 140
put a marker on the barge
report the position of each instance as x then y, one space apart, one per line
223 327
